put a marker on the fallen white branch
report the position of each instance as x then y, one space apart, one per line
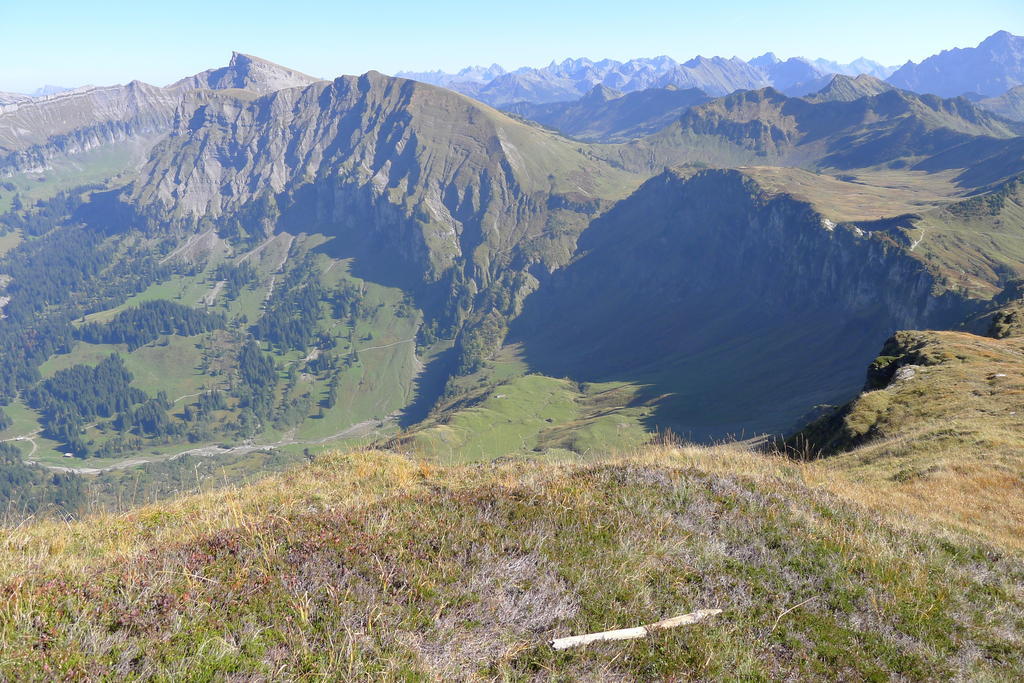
637 632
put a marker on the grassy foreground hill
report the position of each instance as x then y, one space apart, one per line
939 431
374 565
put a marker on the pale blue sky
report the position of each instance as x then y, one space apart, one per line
73 42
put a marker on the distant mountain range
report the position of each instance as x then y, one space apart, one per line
573 78
852 123
988 70
606 115
49 90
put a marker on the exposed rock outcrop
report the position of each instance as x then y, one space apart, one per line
246 72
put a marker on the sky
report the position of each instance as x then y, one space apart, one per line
75 42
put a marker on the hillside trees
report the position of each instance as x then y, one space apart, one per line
140 325
68 272
259 379
236 277
45 214
293 312
79 394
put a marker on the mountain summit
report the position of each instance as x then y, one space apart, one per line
846 89
249 73
990 69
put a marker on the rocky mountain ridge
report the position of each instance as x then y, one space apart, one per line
36 131
989 70
246 72
8 98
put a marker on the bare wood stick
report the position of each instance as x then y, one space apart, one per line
785 612
637 632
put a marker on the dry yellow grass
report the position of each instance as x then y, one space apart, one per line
984 501
336 480
943 442
870 197
373 565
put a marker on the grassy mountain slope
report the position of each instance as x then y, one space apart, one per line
976 244
374 565
374 377
844 127
530 416
1008 105
940 426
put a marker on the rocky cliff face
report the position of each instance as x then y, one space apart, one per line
34 132
746 308
460 180
442 189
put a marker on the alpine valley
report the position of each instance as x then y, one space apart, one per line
738 333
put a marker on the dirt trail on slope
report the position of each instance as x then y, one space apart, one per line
211 297
359 429
189 243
